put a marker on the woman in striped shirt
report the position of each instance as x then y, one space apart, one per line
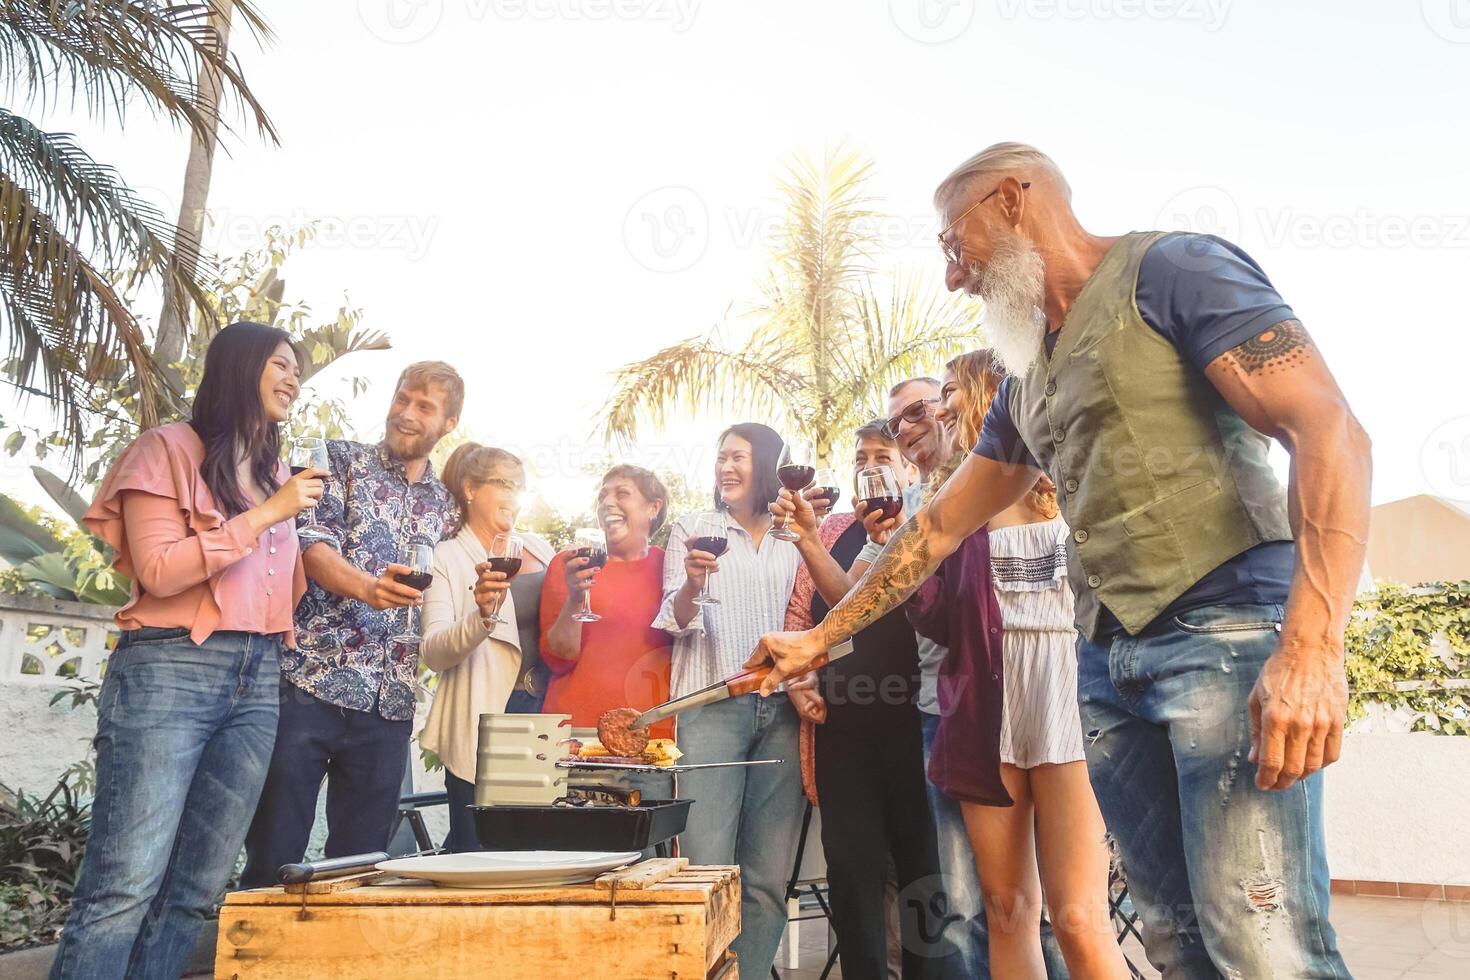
1051 840
746 816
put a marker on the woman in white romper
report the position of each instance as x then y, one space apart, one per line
1051 841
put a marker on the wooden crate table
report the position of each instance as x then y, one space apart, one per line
657 920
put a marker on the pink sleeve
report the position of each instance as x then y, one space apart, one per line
799 607
155 511
166 559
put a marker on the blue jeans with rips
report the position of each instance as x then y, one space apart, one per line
1230 880
184 736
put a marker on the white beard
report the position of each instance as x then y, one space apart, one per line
1012 285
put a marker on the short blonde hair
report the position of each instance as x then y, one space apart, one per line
1000 160
473 465
421 374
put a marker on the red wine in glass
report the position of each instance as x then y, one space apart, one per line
795 476
415 580
510 566
829 494
596 557
709 544
891 507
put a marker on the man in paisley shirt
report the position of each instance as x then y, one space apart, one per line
347 692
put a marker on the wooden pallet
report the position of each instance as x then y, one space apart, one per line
659 919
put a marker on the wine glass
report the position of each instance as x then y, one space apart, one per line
828 488
878 488
418 556
589 543
795 468
710 537
504 556
309 453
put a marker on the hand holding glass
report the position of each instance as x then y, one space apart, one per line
591 544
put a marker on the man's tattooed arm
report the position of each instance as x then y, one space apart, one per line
906 561
1278 348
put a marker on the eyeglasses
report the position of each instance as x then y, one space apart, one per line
952 253
504 484
915 411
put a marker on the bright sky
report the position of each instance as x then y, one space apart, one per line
542 190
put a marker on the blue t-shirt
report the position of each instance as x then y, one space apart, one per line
1205 296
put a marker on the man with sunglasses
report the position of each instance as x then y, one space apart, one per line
1150 371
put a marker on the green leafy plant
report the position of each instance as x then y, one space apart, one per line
41 844
1408 649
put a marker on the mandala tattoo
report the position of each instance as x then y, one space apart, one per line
1277 348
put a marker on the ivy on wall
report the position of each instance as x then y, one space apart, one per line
1408 648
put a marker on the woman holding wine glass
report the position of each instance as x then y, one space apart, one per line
473 623
201 516
748 816
1009 745
599 600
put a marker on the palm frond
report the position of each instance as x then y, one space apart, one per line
88 202
108 54
912 329
698 374
65 325
329 343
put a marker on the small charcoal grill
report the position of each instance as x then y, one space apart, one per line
523 768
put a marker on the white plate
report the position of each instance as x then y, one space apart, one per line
510 869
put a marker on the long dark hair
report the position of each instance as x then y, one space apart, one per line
229 417
765 452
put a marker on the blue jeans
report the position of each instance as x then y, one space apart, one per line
966 930
1230 880
184 735
746 816
362 756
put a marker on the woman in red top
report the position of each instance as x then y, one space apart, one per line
618 661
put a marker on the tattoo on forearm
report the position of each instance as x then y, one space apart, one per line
903 566
1277 348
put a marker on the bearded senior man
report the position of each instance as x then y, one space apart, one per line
1148 371
347 692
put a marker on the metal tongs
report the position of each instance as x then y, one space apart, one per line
745 682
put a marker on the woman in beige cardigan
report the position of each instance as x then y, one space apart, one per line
477 667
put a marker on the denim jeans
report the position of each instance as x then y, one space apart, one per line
1230 880
362 756
748 816
966 930
184 735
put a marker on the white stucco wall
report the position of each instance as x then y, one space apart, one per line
37 741
1398 808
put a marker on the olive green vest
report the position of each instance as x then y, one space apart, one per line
1158 478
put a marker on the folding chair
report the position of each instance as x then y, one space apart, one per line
1124 915
813 889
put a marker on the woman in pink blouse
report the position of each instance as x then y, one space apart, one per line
201 515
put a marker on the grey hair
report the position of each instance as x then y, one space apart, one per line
924 378
1000 160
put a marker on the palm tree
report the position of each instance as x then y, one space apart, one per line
75 238
828 340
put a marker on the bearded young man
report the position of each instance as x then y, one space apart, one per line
1149 371
347 693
